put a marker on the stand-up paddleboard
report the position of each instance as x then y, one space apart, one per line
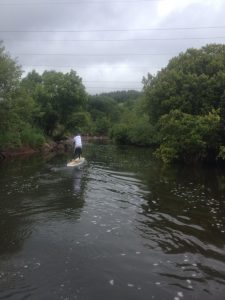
76 162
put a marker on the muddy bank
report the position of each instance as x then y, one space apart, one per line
48 147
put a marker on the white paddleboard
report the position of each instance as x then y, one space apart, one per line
76 162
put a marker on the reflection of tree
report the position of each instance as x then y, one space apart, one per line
122 158
78 172
16 183
13 232
185 208
71 183
33 193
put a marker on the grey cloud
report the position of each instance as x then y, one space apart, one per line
100 16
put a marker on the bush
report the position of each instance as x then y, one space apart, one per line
141 132
10 139
32 137
137 131
188 138
221 154
120 134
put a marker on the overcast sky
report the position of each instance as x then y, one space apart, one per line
111 44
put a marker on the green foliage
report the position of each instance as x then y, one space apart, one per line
15 130
104 111
9 79
25 108
221 154
134 126
102 126
57 95
79 122
138 132
31 137
30 82
10 73
193 82
185 103
123 96
142 133
65 92
18 110
23 135
120 134
9 139
186 137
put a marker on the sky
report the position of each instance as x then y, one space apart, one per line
111 44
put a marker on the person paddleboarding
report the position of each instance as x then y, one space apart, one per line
77 146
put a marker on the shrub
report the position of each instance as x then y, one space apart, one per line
32 137
188 138
120 134
10 139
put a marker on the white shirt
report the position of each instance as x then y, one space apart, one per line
77 141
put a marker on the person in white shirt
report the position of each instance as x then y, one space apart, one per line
77 146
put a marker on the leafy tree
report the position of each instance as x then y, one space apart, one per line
79 122
10 73
30 82
134 126
102 126
17 109
187 137
192 84
123 96
58 96
103 105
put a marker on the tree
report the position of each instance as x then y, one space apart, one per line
103 105
30 82
18 109
182 98
10 73
58 96
193 82
188 138
79 122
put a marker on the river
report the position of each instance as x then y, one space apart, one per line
122 227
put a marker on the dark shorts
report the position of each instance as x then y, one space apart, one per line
78 151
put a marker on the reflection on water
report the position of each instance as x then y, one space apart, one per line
122 226
78 172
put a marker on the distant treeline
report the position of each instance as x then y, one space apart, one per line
180 113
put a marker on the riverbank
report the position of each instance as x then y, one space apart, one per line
48 147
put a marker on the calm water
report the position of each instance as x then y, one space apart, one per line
121 227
